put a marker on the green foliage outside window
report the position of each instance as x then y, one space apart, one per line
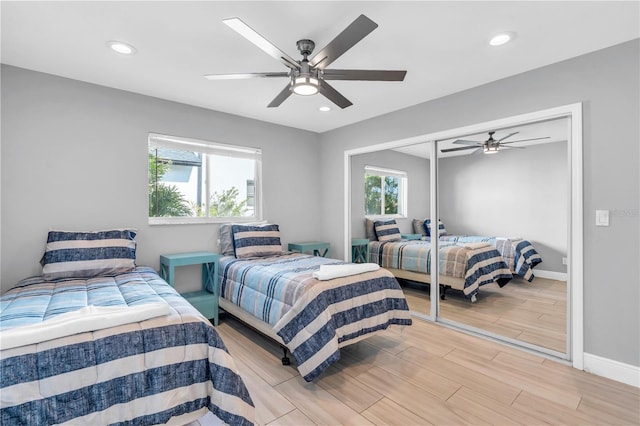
374 195
390 195
226 204
164 200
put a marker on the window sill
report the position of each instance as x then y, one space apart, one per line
386 216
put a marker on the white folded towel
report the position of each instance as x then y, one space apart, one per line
89 318
329 272
475 246
509 238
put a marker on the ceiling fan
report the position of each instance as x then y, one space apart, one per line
309 76
491 145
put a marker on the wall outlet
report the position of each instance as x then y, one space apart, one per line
564 260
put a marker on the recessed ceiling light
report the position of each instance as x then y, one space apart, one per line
502 38
324 108
121 47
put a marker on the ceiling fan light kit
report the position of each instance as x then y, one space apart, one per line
305 85
308 76
305 80
490 149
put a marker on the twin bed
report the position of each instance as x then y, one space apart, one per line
519 254
462 267
288 297
96 340
465 262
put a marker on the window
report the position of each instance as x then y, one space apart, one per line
385 192
192 181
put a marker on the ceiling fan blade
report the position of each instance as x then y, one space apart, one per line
240 76
265 45
508 136
364 75
282 96
509 147
344 41
526 140
333 95
477 151
460 148
464 142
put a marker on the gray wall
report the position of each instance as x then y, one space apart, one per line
417 192
74 156
517 192
607 84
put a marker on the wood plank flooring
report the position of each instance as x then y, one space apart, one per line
533 312
426 374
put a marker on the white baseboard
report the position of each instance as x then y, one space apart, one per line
551 275
614 370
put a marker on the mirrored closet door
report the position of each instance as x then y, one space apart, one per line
508 190
504 194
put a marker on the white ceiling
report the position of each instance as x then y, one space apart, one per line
442 45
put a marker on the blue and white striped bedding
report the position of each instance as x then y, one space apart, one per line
314 318
477 266
519 254
166 369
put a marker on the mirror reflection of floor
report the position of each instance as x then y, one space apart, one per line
533 312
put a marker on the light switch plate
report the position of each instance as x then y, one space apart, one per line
602 217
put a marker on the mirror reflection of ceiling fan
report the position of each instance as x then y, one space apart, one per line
491 145
309 75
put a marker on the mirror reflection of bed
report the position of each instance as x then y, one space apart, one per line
519 192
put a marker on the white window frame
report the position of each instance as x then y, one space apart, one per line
157 140
402 190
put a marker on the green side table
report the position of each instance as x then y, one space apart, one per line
318 248
203 300
411 236
359 250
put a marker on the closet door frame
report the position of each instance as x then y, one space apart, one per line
575 321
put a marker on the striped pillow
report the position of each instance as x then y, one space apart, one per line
88 254
418 227
387 230
441 228
256 240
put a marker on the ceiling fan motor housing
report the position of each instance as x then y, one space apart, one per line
305 47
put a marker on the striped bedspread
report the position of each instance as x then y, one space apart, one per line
520 255
477 266
314 318
167 369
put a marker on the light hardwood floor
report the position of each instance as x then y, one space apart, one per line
426 374
533 312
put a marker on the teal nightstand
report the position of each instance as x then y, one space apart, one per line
411 236
318 248
360 250
203 300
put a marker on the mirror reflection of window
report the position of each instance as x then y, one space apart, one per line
384 192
